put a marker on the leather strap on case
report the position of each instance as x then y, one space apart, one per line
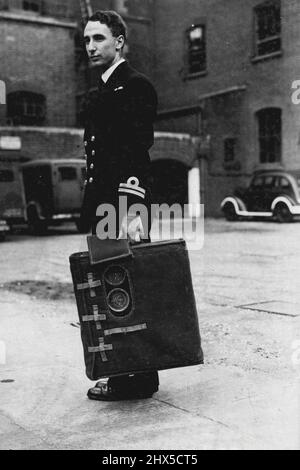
125 329
101 251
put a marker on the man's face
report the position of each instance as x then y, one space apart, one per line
102 47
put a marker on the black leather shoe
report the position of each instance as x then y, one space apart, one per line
144 382
103 392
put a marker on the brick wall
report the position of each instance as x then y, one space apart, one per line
40 58
37 54
230 50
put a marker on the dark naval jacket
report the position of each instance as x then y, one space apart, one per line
117 137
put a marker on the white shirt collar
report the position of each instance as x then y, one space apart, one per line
105 76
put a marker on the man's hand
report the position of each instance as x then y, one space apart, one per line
132 228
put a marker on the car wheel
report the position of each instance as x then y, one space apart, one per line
283 214
229 212
2 237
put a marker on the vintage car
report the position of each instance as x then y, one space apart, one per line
271 194
42 192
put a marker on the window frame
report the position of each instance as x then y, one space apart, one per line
271 183
233 141
58 9
257 42
254 184
189 74
31 3
26 108
267 138
288 184
67 173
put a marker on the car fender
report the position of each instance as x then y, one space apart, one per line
238 204
285 200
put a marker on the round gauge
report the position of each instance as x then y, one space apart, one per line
118 300
115 275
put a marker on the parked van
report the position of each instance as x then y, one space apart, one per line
12 201
44 192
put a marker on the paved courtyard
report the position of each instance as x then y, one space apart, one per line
245 396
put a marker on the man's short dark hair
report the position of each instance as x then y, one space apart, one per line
113 21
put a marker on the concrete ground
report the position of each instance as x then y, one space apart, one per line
246 396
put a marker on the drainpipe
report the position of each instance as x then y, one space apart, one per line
196 175
194 191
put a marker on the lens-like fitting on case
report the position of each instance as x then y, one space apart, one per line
118 300
115 275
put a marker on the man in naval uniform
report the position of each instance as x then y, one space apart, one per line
118 135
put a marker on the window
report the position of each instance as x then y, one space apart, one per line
229 149
27 108
269 128
196 37
6 176
67 173
267 18
57 8
32 5
258 182
284 183
4 5
269 181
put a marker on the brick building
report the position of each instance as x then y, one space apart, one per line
46 73
37 58
223 70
